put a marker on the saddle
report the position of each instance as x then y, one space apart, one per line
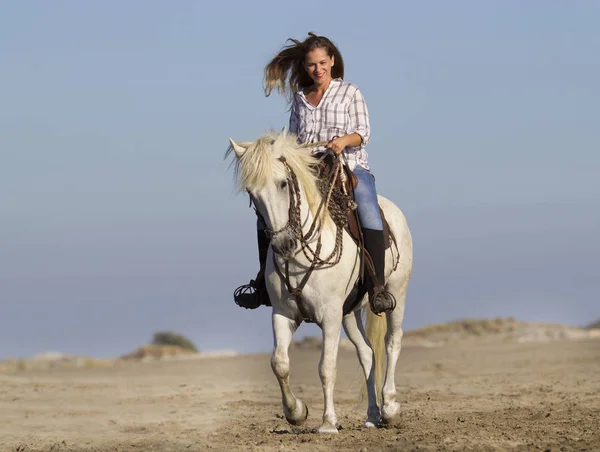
326 166
352 226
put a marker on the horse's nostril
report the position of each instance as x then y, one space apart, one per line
291 244
284 245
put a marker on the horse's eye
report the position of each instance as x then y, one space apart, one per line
283 184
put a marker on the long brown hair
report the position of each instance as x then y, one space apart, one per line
286 70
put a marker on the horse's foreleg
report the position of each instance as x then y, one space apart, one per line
356 333
327 370
283 328
393 341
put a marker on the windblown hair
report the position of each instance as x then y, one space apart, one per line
286 71
259 165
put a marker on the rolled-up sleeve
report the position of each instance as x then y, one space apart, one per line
294 124
359 117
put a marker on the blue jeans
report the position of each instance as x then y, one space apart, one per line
366 197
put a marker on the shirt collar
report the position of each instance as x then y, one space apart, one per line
333 81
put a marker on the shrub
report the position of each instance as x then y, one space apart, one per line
594 325
170 338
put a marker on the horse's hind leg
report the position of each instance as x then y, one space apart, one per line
283 328
356 333
393 339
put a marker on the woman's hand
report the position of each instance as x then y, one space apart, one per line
337 145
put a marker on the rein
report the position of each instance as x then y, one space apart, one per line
294 225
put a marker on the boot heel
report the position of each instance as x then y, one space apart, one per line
380 299
254 294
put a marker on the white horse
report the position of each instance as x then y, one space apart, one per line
271 169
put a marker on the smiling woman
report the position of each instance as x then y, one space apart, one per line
325 108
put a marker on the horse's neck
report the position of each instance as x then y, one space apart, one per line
326 233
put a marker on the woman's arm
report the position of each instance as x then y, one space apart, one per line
359 123
337 145
359 118
294 124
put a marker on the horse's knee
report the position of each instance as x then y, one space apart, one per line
327 373
394 340
280 363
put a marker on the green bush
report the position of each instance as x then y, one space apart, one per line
170 338
596 324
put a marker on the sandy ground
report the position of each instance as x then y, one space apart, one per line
493 396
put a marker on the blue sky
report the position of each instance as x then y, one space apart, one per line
119 216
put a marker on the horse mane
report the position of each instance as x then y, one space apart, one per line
259 165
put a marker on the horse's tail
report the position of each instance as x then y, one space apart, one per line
376 329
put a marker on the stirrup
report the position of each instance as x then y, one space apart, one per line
246 296
382 301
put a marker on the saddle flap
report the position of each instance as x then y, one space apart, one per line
354 230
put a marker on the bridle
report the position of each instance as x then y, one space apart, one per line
294 226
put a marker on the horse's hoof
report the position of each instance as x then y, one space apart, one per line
373 418
327 427
297 420
389 412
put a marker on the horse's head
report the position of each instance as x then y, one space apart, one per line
280 177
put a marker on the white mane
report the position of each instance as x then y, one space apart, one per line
259 165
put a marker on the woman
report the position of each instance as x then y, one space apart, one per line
326 108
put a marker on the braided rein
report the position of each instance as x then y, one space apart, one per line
338 214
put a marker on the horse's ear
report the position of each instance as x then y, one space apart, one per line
284 131
239 150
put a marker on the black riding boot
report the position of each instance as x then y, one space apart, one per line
254 294
380 299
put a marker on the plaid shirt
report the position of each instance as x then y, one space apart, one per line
342 111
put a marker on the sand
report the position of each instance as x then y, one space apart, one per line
470 396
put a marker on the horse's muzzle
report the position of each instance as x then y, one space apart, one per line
285 245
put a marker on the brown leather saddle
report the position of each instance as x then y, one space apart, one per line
353 226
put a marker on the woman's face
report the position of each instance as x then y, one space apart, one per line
318 64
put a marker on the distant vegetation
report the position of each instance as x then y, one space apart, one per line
170 338
594 325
